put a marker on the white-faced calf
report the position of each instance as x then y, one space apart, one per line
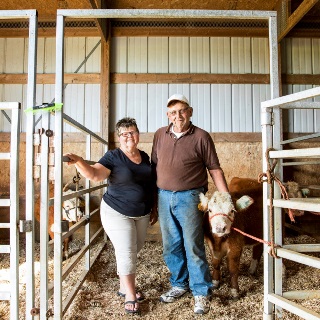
241 209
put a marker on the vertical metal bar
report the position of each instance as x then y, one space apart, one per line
267 260
106 147
14 212
87 209
31 101
58 169
267 142
44 214
277 138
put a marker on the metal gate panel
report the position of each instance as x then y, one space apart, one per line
12 291
271 131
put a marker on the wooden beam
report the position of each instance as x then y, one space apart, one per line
189 78
50 33
301 79
189 32
297 15
96 78
101 23
49 78
105 87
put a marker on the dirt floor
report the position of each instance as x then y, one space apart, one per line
97 298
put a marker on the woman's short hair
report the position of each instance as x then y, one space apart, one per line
126 123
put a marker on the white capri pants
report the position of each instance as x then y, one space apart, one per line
127 235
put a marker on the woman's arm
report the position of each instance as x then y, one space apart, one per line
96 172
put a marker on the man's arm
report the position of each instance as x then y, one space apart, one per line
219 180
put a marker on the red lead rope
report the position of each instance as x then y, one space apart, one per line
238 230
252 237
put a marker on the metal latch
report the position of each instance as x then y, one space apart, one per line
25 225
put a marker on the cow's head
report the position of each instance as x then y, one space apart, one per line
221 210
295 191
72 209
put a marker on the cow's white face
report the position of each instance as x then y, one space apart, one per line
71 211
221 210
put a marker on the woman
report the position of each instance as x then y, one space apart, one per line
126 206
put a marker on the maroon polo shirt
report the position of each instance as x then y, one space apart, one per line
181 164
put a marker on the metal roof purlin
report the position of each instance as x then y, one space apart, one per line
17 14
166 13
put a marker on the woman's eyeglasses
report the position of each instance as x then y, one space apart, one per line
129 134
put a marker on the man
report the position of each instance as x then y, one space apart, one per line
181 155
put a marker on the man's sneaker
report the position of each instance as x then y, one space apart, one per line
201 304
173 294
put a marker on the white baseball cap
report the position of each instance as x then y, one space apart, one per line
178 97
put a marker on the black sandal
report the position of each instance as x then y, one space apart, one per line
139 295
134 302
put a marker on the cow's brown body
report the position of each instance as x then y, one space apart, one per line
51 221
231 245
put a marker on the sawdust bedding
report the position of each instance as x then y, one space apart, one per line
97 299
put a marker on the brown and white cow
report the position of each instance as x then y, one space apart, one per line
70 212
241 209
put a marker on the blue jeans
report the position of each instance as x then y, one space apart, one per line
183 240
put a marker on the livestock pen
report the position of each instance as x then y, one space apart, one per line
97 292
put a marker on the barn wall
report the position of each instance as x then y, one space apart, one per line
301 56
217 107
81 101
220 108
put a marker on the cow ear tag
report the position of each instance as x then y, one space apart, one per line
244 202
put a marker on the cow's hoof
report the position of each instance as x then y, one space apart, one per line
234 294
215 284
253 267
